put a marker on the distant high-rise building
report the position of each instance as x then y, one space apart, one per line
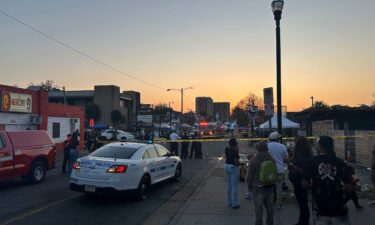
204 106
221 111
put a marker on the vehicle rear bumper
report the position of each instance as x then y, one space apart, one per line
100 190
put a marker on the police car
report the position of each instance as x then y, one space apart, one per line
124 167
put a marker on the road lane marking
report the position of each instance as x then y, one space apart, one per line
23 216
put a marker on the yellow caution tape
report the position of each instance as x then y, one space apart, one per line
238 139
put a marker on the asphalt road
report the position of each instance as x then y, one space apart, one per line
51 202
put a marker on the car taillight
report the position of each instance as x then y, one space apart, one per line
117 169
76 166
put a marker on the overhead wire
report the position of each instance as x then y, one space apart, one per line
80 52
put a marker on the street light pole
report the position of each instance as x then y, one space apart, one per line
170 114
181 90
277 7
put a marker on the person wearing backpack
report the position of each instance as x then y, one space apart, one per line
301 156
280 154
261 178
232 172
330 181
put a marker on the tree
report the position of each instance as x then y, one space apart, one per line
48 85
116 117
92 111
240 116
340 107
321 105
240 111
247 101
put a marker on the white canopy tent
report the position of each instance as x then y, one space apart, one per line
286 123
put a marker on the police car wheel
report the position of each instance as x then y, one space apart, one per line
178 173
143 188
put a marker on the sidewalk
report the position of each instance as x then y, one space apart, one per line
207 206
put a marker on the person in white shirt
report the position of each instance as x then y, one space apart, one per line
280 154
174 145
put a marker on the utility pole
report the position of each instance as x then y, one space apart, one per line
181 90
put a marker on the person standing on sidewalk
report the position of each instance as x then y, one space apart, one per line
73 152
66 145
326 174
280 154
232 172
301 156
262 166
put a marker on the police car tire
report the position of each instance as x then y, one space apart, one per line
178 173
143 189
37 172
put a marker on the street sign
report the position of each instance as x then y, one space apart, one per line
91 122
269 110
268 96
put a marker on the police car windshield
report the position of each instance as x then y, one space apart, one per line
114 152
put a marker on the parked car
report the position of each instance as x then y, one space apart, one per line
26 154
125 167
120 135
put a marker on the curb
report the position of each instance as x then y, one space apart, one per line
172 207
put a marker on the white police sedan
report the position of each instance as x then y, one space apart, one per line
125 167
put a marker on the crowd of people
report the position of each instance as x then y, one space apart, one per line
330 180
195 146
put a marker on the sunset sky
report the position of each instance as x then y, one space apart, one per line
224 49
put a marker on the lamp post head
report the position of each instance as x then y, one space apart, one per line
277 8
169 89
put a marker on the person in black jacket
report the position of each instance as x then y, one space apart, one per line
185 146
66 145
302 155
330 182
196 148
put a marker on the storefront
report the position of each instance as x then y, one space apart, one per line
17 111
23 109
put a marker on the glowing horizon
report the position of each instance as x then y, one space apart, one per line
223 49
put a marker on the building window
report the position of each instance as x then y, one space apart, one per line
55 130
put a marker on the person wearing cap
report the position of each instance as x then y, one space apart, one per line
279 153
232 172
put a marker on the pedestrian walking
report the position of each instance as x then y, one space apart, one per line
174 137
66 145
261 178
326 174
185 146
232 172
279 153
302 154
73 152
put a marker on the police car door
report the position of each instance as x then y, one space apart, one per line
153 164
167 162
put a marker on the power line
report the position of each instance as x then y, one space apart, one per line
79 51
